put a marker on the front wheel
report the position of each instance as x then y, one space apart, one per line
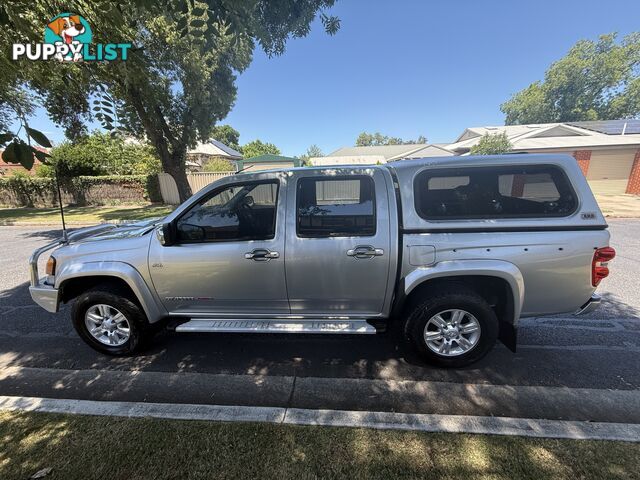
452 328
109 322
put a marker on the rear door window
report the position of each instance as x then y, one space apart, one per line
337 207
494 192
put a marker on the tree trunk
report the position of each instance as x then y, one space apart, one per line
180 176
173 164
172 152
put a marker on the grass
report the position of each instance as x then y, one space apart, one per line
83 447
80 215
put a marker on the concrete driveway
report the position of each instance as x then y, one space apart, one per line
577 368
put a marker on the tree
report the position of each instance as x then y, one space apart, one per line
594 81
179 78
101 154
257 148
227 135
492 145
313 151
377 139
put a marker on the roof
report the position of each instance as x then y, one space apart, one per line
386 151
380 154
214 147
270 158
624 126
549 135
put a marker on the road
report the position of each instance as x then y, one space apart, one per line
577 368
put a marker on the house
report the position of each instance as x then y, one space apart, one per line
379 154
206 151
7 169
267 162
607 151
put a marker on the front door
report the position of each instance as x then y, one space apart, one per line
229 257
338 243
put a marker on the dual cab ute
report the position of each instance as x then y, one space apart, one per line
453 250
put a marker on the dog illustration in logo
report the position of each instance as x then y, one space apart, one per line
68 28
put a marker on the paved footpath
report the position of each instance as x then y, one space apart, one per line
566 368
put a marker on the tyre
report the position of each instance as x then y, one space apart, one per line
109 322
452 328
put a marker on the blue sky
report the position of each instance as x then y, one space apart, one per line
406 68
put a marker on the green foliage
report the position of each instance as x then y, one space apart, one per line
492 145
101 154
179 78
30 191
27 188
377 139
594 81
313 151
227 135
257 148
218 165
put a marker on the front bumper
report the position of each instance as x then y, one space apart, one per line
46 296
592 304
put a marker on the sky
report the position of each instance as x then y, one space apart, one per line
408 68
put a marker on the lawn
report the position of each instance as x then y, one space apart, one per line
81 215
84 447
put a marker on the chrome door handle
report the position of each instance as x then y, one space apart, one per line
261 255
365 251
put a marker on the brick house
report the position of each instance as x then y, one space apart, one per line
7 169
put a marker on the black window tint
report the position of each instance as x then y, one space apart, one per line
238 212
340 207
494 192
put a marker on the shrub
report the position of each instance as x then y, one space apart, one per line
101 154
492 145
218 165
30 191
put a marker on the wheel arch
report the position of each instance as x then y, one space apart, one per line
81 277
500 283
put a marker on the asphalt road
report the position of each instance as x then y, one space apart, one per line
581 368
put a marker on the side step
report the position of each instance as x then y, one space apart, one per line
353 326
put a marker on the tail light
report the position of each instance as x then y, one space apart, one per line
599 268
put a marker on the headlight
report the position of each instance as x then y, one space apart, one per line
51 266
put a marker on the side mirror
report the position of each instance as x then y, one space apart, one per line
166 234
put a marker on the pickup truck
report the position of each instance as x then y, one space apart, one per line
452 251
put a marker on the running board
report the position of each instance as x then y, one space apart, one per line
357 326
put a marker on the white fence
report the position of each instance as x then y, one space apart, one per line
197 181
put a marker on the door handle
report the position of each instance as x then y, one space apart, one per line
365 251
261 255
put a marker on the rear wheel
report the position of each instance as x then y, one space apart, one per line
110 322
452 328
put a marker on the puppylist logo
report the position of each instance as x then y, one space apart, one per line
67 37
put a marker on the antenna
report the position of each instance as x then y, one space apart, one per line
64 227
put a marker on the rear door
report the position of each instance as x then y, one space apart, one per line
338 242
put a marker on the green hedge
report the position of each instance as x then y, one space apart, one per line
33 191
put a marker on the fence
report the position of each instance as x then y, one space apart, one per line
327 192
197 181
31 191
